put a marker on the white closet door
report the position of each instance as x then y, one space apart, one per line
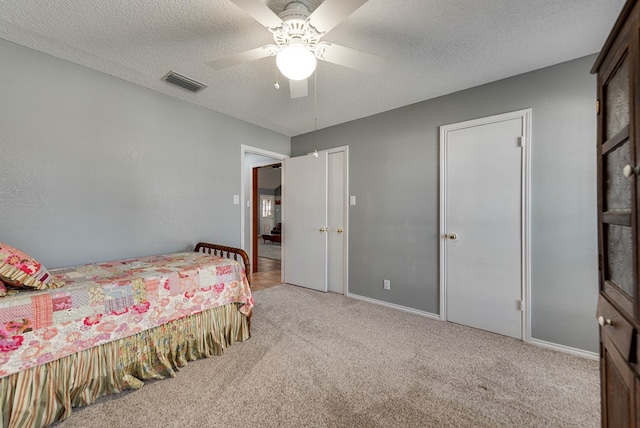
304 221
484 220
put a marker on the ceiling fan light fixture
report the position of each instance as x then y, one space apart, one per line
295 61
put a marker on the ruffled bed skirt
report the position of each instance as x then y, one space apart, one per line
47 393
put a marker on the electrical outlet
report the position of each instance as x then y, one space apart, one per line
386 284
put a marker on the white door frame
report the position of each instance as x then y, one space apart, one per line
525 115
244 149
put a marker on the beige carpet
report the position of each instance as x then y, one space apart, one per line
323 360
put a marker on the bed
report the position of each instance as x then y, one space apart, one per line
110 326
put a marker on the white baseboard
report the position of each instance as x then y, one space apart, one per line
568 349
555 346
394 306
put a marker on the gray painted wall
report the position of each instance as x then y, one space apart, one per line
95 168
393 166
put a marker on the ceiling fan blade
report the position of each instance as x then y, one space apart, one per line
246 56
298 88
350 57
331 12
260 12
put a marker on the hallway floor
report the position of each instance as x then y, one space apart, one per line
268 274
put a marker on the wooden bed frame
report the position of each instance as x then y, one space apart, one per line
227 252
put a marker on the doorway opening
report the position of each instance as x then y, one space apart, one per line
267 224
265 272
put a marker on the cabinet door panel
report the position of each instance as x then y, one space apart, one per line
618 393
618 186
619 247
616 92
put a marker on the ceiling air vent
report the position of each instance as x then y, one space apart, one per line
184 82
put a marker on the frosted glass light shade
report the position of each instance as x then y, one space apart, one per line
296 62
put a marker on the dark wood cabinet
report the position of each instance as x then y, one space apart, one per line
618 107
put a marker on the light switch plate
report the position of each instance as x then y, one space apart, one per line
352 200
236 199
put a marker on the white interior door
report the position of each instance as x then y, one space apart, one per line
304 221
482 223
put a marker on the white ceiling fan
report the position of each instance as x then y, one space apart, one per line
297 35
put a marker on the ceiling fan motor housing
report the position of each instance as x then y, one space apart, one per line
294 10
296 27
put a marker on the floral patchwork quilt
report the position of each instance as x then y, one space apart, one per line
103 302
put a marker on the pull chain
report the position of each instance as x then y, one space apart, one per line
276 84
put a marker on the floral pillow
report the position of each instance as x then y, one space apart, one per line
21 271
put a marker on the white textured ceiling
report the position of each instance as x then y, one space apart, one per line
434 47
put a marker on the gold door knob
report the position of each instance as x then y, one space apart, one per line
452 236
628 171
340 230
323 229
604 321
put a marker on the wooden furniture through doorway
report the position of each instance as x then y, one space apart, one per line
270 238
618 149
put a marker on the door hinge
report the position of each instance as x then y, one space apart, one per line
521 141
520 305
597 106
